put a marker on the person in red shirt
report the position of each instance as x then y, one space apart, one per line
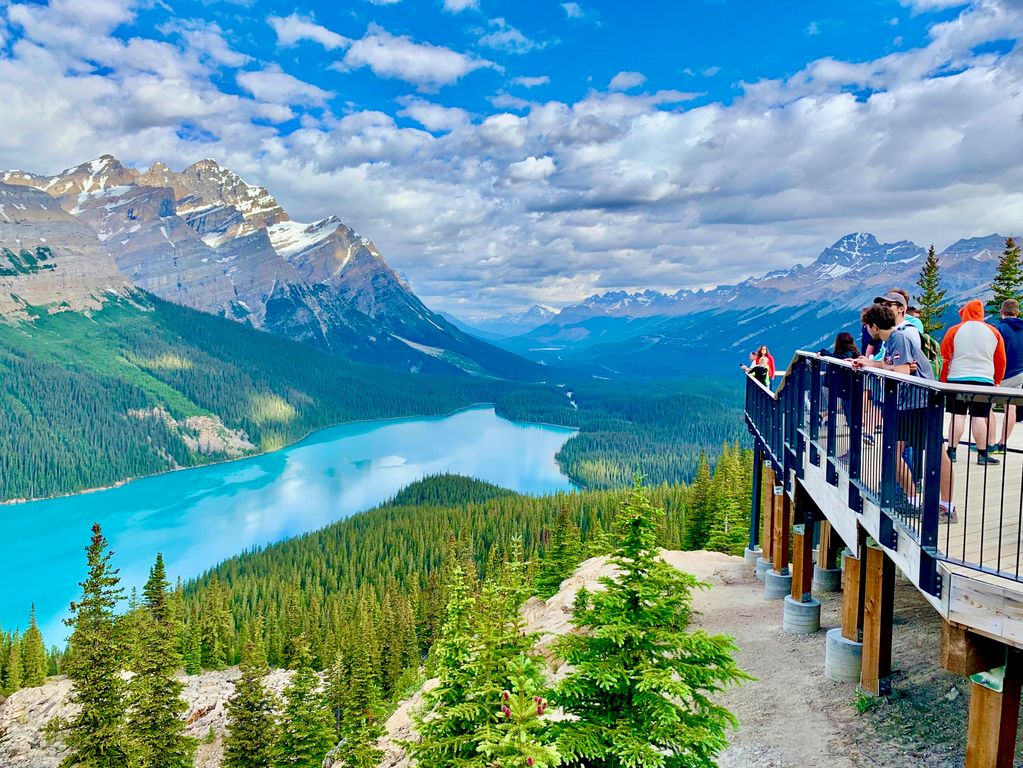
974 353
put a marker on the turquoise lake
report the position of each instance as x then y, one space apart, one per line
198 517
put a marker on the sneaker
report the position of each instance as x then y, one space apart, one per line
947 516
999 448
984 458
951 454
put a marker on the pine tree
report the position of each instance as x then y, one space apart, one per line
35 661
193 652
14 670
445 731
698 507
561 556
521 738
1008 282
931 299
640 685
252 728
96 737
155 724
356 702
307 726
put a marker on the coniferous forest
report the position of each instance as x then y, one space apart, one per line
428 584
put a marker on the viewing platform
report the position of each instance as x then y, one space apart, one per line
852 483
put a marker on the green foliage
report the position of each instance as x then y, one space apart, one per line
864 702
931 298
562 553
95 738
1008 282
641 685
307 726
700 504
521 738
155 725
14 670
252 729
447 490
33 650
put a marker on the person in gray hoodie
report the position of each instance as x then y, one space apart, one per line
1011 328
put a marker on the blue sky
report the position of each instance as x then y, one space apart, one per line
504 153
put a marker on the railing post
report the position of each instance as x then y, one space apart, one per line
815 411
805 418
831 444
934 445
856 441
758 493
889 462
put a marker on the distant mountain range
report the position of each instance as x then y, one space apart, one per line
206 239
506 325
710 331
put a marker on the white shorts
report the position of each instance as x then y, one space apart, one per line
1016 382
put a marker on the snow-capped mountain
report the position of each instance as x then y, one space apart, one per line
508 324
205 238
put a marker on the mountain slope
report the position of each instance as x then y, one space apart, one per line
207 239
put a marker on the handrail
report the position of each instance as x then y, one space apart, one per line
885 435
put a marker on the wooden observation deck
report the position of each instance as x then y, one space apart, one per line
853 462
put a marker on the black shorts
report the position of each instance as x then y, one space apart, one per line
912 426
977 408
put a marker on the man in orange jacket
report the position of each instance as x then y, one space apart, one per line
974 353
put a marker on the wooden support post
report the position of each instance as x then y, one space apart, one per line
878 605
802 561
767 522
851 612
965 653
828 547
994 715
782 531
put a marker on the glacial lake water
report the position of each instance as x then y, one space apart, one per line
198 517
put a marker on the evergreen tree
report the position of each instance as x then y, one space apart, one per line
561 556
193 652
36 662
14 670
356 703
640 686
699 504
521 738
1008 282
444 728
307 727
931 299
96 737
252 728
155 724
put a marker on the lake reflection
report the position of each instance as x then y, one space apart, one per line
198 517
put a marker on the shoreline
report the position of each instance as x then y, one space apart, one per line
292 444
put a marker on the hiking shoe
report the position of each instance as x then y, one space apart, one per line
951 454
999 448
984 458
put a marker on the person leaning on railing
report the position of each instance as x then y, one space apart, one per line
903 355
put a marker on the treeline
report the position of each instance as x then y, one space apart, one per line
490 707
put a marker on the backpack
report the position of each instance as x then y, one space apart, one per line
932 351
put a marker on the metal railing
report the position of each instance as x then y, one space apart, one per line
888 434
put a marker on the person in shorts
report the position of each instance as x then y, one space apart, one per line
1011 328
903 355
974 353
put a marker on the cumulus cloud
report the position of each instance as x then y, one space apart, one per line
504 37
294 28
457 6
573 10
625 81
548 201
398 56
531 82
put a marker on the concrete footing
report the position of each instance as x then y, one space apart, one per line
763 566
801 618
776 585
751 556
826 579
842 658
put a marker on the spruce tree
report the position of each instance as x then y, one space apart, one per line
521 738
1008 282
307 726
155 721
445 729
640 687
96 737
35 661
698 507
356 703
14 670
252 727
562 554
931 299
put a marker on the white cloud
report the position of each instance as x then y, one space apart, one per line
434 117
813 28
384 2
278 87
532 169
507 38
531 82
925 6
457 6
625 81
573 10
294 28
423 64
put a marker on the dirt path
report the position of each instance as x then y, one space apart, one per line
793 716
